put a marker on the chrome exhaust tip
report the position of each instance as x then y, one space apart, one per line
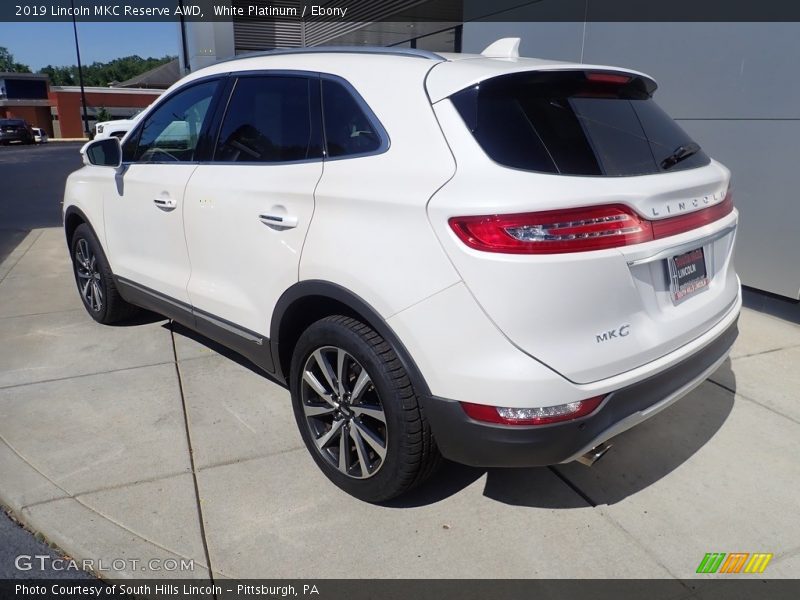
593 455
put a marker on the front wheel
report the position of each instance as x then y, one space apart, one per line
357 411
95 280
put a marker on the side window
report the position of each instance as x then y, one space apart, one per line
170 134
348 129
270 119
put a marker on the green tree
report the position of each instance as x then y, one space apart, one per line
7 62
104 73
102 115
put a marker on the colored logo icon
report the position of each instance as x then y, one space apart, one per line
735 562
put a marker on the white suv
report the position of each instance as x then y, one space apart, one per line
499 260
117 129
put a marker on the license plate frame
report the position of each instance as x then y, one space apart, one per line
688 274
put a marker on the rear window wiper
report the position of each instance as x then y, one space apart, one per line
680 153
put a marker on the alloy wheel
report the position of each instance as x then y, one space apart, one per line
90 282
343 412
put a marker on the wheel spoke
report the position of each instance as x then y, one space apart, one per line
83 274
371 438
326 369
96 295
83 253
369 411
318 410
341 355
360 385
344 451
315 385
323 440
361 451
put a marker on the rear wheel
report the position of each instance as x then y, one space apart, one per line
357 411
95 281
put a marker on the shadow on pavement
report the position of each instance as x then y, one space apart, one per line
143 317
179 329
10 239
639 457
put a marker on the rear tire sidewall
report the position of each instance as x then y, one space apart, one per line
382 484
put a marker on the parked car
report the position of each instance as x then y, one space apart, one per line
15 130
503 261
117 128
39 135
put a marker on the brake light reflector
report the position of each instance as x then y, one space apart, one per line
608 78
576 229
531 416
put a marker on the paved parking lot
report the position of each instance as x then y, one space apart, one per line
95 454
145 442
31 186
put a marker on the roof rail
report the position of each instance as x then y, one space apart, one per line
412 52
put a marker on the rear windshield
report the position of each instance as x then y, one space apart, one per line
576 123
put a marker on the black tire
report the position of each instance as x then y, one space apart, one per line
90 267
411 454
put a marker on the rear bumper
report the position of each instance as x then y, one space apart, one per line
14 137
478 444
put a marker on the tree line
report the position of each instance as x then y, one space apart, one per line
99 74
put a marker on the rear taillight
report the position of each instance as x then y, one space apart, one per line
681 223
554 231
576 229
531 416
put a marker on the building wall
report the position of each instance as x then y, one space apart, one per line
730 85
66 102
37 116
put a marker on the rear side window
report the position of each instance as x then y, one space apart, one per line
269 119
350 128
574 123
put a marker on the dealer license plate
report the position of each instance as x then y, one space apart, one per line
688 274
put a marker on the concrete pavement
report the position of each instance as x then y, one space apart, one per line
144 442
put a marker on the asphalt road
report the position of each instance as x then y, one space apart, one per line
16 542
31 188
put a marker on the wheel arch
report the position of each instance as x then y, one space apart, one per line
73 217
308 301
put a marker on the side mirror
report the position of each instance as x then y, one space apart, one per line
103 153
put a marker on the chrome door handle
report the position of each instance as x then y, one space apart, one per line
278 221
165 203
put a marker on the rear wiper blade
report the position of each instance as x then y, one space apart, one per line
680 153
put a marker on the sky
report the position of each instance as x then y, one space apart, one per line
40 44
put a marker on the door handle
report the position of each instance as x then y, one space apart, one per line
165 203
278 221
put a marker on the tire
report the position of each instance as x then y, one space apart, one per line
380 409
95 280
